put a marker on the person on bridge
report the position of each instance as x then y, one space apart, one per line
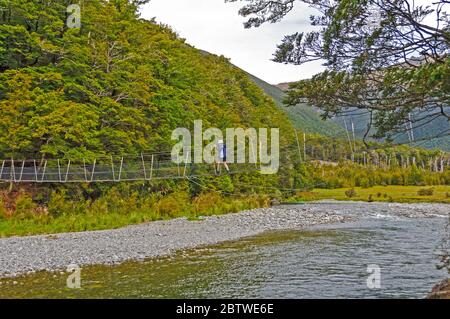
222 156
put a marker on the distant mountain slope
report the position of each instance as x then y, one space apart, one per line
421 133
283 86
302 116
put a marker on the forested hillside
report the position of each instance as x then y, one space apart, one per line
302 116
423 132
118 85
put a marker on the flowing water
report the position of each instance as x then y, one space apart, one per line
321 262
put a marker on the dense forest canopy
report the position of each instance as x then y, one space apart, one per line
117 85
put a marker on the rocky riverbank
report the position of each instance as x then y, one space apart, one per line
441 290
21 255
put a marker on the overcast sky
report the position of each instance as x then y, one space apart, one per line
215 26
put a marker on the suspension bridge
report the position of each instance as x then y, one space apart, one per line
143 167
158 166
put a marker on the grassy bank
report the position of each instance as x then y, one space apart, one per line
400 194
118 209
114 210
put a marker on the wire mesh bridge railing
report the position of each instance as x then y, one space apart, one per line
137 168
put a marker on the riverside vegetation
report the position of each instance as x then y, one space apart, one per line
36 210
118 86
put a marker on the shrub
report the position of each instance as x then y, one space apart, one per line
206 203
25 207
370 200
425 192
3 211
58 205
365 183
350 193
100 206
174 204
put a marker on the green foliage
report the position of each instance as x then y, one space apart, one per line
25 207
354 175
400 194
112 211
364 183
303 178
173 204
425 192
118 85
415 177
370 64
302 116
350 193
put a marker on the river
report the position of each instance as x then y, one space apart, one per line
320 262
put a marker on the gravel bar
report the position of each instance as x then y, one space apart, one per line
22 255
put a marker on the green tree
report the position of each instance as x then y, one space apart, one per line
383 56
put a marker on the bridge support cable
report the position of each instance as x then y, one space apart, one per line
142 167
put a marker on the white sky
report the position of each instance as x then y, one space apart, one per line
215 26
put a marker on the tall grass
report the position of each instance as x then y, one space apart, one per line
20 215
